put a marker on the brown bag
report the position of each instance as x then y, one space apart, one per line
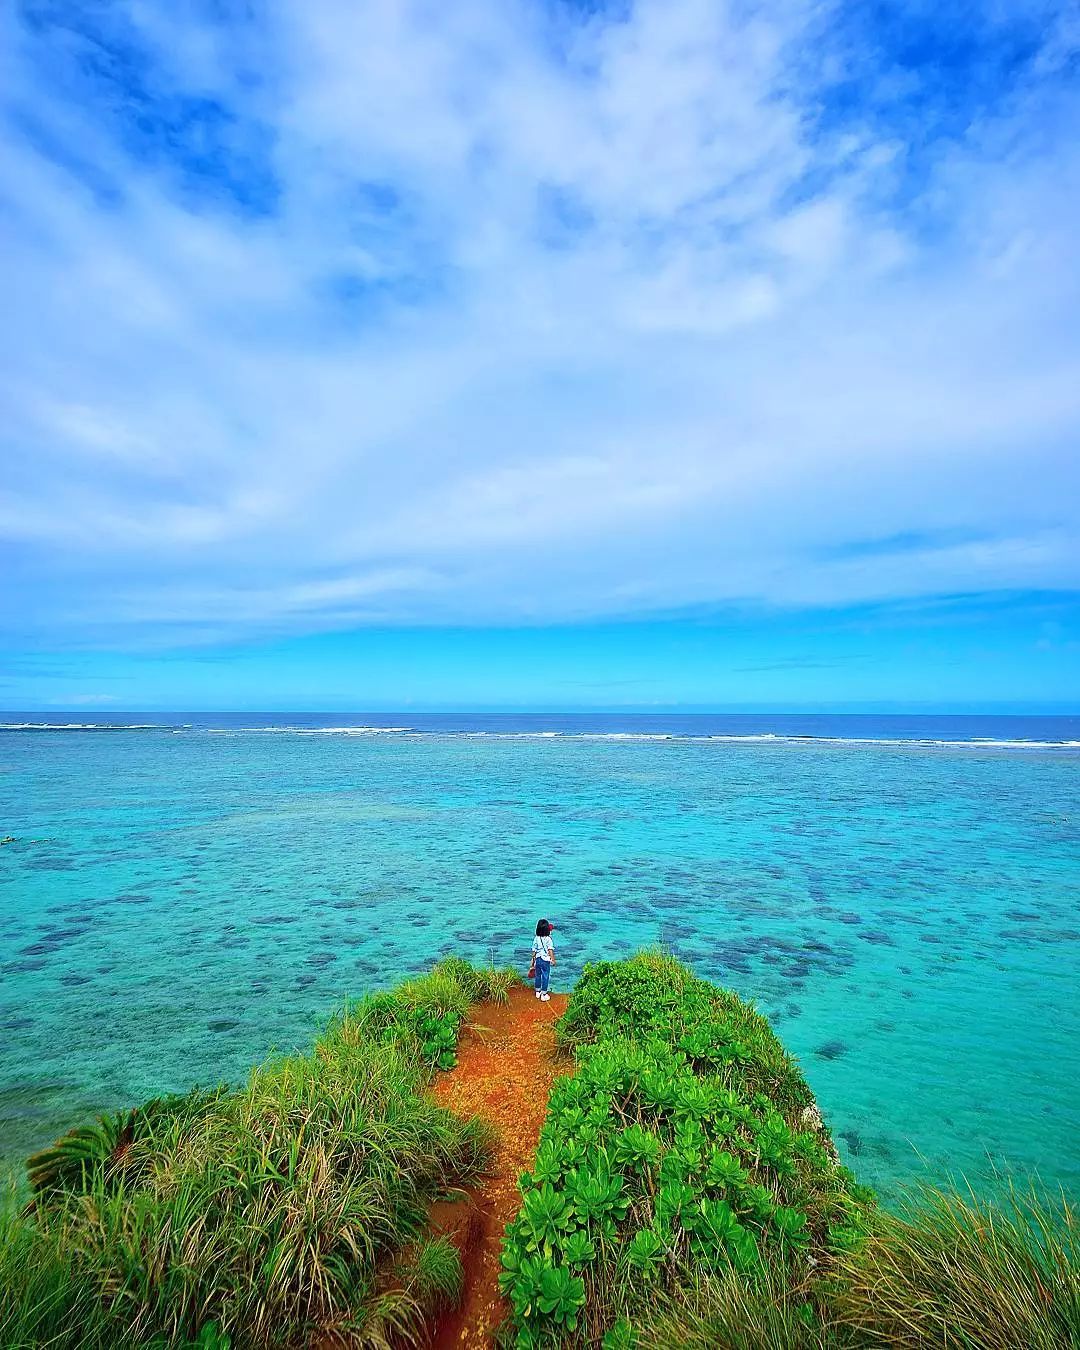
532 968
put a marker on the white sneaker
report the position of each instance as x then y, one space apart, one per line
538 994
545 998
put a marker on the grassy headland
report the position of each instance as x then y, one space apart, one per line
292 1211
685 1154
685 1193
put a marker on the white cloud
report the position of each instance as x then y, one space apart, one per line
554 316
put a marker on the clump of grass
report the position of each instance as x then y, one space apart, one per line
271 1215
428 1011
436 1272
951 1270
493 983
730 1310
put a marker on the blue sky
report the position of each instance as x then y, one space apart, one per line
357 354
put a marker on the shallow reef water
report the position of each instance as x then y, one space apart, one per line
174 905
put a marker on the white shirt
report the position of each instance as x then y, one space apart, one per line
544 948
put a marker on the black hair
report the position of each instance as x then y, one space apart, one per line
543 928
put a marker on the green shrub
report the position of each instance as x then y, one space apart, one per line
679 1152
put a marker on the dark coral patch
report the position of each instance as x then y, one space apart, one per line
853 1139
877 937
22 967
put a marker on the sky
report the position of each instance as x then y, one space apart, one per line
530 352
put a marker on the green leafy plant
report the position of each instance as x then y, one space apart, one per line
725 1170
635 1147
438 1035
714 1224
674 1200
578 1249
552 1160
561 1296
790 1224
545 1215
646 1251
211 1337
520 1281
758 1202
596 1195
620 1336
775 1140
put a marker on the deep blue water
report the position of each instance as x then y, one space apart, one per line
898 894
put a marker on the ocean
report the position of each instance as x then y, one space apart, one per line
182 893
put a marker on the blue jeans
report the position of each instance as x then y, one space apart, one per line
543 975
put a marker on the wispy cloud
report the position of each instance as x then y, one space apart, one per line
327 315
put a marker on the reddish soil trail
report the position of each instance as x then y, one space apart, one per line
504 1072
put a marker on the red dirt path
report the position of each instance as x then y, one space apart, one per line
504 1073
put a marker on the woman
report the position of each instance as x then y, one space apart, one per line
543 959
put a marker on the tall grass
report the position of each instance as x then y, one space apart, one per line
731 1311
44 1298
950 1272
953 1270
292 1209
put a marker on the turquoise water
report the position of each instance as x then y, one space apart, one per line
174 904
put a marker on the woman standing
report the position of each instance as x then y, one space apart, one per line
543 959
